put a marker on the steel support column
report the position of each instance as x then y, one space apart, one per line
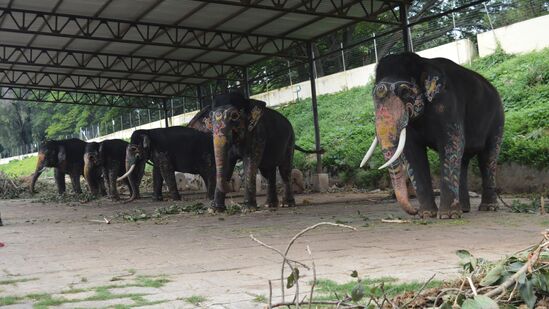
407 40
246 82
310 55
165 108
199 96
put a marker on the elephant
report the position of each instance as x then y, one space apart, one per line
66 157
106 158
435 103
245 129
172 149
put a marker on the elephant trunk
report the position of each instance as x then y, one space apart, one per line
221 154
40 167
90 172
135 170
391 121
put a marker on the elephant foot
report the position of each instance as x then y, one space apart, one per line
449 214
271 205
289 203
215 210
176 197
157 198
250 208
427 214
488 207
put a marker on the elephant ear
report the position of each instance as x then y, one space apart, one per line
202 121
61 155
255 113
432 80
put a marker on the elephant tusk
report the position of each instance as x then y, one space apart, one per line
400 148
369 152
127 173
42 170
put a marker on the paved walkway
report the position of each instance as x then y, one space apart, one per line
57 247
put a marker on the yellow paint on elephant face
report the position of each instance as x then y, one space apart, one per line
220 140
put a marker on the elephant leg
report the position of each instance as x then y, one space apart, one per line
417 166
250 174
111 178
59 180
272 196
464 200
75 181
451 154
209 180
487 161
168 173
157 183
285 170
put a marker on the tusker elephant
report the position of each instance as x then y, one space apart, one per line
264 139
66 157
106 158
180 149
436 103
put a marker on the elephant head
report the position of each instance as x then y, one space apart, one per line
50 154
92 166
138 152
404 85
232 119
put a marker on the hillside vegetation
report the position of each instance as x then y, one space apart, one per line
347 119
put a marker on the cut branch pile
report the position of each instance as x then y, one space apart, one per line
517 281
10 187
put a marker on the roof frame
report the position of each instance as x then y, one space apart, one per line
107 63
58 24
38 95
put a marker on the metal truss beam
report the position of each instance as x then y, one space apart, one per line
98 84
107 62
141 33
356 11
29 94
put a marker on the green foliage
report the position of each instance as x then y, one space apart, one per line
195 300
23 167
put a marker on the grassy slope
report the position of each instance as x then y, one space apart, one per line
23 167
347 122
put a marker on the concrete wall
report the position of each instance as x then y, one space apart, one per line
521 37
462 51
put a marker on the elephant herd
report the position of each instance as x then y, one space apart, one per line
419 103
233 128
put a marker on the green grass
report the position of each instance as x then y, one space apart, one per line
330 290
195 300
260 299
16 281
9 300
24 167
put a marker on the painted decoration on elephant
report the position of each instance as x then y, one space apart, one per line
453 153
493 158
432 87
208 123
255 115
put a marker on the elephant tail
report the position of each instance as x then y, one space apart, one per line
296 147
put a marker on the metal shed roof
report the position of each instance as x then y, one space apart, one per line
142 49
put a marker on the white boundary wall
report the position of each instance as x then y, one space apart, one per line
521 37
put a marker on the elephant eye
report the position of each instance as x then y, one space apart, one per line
218 116
235 115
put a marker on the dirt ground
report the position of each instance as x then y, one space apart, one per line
53 248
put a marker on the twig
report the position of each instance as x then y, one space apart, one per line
333 303
473 288
541 205
394 221
270 295
314 277
418 292
509 282
312 227
442 292
513 292
278 251
459 292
